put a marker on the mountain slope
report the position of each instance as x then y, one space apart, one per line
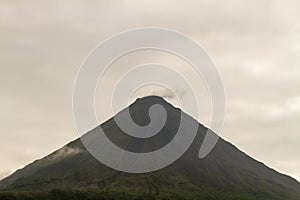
226 173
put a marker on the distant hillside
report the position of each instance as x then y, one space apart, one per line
226 173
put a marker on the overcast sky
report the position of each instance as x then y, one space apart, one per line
254 44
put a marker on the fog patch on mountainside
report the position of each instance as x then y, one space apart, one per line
65 152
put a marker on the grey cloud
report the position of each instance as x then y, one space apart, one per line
165 93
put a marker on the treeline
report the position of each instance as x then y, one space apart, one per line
61 194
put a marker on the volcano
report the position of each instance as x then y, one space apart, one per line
225 173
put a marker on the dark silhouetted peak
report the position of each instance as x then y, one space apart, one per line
150 100
226 173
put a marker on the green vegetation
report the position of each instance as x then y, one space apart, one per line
160 186
93 194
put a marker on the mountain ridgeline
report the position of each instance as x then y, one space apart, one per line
226 173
